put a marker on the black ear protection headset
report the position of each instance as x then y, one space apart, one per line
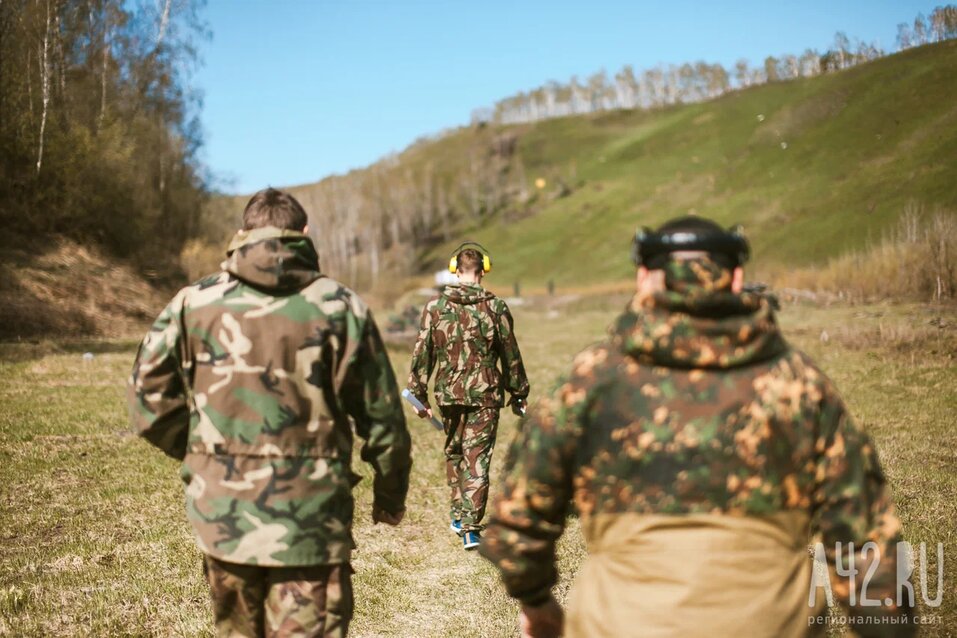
486 259
651 249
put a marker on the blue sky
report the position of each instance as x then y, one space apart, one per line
295 90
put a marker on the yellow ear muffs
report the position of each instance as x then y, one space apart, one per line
486 259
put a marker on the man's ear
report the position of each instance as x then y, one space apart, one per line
305 229
641 276
650 281
737 280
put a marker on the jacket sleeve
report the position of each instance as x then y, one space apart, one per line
370 396
513 368
423 358
852 504
529 514
156 390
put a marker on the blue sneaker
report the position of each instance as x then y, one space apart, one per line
470 539
456 527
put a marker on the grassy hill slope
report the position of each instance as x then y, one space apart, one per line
812 168
65 289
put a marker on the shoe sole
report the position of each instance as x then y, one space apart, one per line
471 542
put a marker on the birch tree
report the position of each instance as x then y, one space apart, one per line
44 60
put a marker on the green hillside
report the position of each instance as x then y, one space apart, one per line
811 167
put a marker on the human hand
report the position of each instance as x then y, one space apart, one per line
543 621
379 515
519 406
425 414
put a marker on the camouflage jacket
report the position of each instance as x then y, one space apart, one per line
250 377
464 333
696 412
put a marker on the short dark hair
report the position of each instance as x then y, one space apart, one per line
468 260
272 207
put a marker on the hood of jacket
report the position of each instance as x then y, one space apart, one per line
466 293
695 324
273 259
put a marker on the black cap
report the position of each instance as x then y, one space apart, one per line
652 249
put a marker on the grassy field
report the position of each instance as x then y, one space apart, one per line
94 542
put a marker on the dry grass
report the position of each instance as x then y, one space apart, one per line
69 289
94 542
917 260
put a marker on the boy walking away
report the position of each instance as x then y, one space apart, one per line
465 333
249 377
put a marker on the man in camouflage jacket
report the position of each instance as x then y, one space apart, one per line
701 452
250 377
465 333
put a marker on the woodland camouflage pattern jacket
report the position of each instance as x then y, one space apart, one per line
249 377
700 452
464 333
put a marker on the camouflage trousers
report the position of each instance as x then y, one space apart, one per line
279 602
469 439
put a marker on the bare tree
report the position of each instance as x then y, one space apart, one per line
905 38
104 63
44 59
163 23
742 73
943 23
842 47
719 82
626 88
810 63
920 30
771 69
790 67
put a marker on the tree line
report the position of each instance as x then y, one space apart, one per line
688 83
98 123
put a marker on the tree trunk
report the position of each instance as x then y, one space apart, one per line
45 71
3 28
353 263
164 23
162 174
374 258
61 62
103 68
30 80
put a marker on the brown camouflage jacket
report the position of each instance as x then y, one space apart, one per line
695 413
464 333
250 377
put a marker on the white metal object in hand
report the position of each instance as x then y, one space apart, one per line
408 396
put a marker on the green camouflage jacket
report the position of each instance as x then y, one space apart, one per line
695 407
464 333
249 377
